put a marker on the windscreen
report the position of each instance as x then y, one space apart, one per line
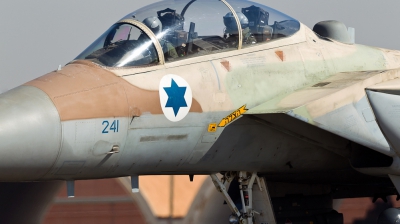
123 45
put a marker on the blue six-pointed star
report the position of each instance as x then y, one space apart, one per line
176 97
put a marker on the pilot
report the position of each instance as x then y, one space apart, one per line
155 25
231 31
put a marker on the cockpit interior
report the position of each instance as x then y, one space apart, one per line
187 28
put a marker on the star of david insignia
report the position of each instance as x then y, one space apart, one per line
176 97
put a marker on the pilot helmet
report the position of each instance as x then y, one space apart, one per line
170 19
154 24
230 22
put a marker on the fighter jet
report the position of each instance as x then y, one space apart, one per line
283 118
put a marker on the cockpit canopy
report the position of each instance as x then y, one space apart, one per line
177 29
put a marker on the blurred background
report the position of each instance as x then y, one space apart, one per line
38 36
171 200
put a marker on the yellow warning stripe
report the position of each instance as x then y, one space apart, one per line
233 116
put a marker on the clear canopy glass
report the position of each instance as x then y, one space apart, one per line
264 23
122 45
188 28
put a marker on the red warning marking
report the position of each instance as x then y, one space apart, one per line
280 55
288 221
226 65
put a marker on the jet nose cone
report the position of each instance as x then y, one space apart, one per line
30 134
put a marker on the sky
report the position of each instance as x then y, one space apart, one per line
38 36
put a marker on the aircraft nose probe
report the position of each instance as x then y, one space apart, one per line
30 134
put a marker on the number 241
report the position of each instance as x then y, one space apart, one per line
114 126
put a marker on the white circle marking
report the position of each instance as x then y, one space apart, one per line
175 97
